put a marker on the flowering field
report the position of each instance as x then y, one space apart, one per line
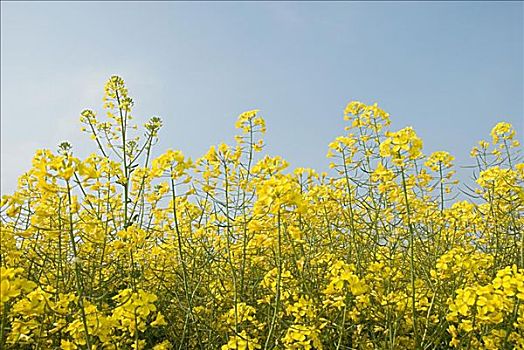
236 251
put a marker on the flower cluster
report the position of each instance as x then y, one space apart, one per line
128 249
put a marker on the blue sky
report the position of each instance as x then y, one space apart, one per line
449 69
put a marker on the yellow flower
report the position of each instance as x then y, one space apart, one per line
504 130
401 143
159 320
67 345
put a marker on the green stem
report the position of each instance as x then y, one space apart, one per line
279 281
412 259
78 274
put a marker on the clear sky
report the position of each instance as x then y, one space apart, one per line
449 69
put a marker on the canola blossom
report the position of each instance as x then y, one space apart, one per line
235 250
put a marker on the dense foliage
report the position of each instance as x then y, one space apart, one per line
235 251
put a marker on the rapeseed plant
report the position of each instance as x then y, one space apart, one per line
234 250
